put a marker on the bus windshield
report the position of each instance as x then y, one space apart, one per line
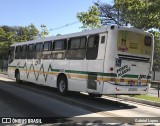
134 43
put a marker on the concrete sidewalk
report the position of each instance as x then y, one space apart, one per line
153 92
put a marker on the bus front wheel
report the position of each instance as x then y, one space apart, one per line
62 85
18 78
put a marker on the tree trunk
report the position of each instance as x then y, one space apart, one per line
154 73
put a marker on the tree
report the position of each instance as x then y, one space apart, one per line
108 14
156 61
10 35
44 31
58 34
5 41
142 14
32 32
89 19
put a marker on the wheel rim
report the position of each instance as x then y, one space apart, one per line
62 86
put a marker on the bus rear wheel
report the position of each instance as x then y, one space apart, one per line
18 78
62 86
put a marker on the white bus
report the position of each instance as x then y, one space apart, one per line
109 60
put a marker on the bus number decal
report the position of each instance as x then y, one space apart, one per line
141 76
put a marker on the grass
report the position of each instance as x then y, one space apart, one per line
146 97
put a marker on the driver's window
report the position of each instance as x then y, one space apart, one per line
11 54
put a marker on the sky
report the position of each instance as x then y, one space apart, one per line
52 13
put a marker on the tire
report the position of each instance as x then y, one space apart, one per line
94 95
18 78
62 86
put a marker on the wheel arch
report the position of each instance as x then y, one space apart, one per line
62 75
16 71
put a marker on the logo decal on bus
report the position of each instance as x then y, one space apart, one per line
123 70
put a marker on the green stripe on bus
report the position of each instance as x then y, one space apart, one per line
73 72
130 76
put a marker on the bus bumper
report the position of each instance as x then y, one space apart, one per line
109 88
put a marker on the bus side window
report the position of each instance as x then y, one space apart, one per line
47 50
18 52
59 49
11 54
76 48
31 51
24 52
39 49
92 47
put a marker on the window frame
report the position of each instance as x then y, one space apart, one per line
69 42
97 48
31 51
69 49
62 50
49 45
18 53
22 48
64 45
24 53
40 43
11 54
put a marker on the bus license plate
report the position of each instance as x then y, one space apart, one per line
132 89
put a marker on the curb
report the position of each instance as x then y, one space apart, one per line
5 73
157 104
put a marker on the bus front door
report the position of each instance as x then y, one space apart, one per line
95 56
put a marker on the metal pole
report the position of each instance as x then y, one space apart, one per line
158 88
118 14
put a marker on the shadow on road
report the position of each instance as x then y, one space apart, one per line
34 101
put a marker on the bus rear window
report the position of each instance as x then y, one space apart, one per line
147 41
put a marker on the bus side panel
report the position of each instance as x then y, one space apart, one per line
58 66
11 69
109 61
49 77
40 68
30 71
77 75
22 69
95 84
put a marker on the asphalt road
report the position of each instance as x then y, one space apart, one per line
16 101
30 100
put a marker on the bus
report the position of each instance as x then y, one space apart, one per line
109 60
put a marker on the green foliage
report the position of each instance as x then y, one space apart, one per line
156 61
89 19
108 14
146 97
10 35
44 31
26 33
142 14
58 34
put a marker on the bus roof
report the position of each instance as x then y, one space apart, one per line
83 33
